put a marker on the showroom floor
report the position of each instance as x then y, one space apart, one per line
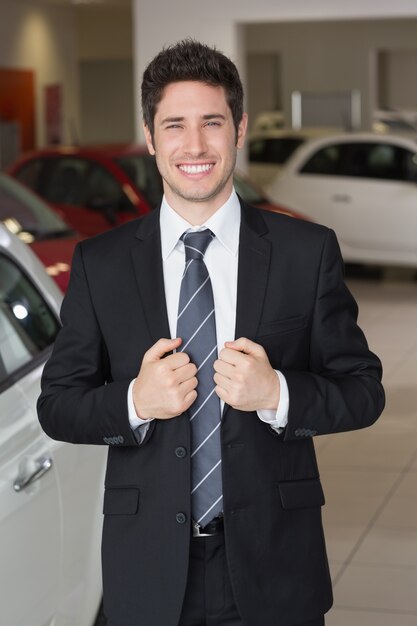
370 476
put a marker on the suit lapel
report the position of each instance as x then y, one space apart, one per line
254 258
147 262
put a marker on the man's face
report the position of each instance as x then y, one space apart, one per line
195 146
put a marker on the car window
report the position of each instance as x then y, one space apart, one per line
325 161
410 164
102 190
30 173
25 214
141 169
65 182
361 159
379 160
27 325
273 150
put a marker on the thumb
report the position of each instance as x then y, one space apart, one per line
160 349
242 344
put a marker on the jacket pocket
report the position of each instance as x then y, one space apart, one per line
286 325
301 494
121 501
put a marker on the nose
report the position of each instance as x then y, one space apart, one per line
195 142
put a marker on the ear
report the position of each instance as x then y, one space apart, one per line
241 131
148 139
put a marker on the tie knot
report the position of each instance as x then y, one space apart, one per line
196 243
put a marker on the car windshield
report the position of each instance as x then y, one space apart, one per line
24 214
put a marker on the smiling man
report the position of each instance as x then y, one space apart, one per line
196 151
207 344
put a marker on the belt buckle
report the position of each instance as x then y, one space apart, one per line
197 530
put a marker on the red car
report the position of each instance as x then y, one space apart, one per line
33 221
98 187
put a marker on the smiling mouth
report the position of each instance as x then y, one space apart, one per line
196 169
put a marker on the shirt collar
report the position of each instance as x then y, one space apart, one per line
224 223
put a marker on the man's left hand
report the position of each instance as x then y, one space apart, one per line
245 378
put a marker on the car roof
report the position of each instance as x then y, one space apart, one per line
366 136
105 150
293 133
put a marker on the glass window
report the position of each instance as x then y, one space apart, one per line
273 150
25 214
27 325
66 181
30 173
141 169
325 161
411 165
378 160
101 190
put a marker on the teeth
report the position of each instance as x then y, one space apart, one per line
195 169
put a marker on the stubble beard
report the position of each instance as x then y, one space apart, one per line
197 196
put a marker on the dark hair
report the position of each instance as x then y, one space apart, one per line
190 60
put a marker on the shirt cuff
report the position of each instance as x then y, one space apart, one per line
138 425
278 419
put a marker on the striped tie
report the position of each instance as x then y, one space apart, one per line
196 326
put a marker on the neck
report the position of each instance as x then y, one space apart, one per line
197 212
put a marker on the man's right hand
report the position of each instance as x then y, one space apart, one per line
166 385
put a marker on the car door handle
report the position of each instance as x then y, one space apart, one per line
43 465
341 197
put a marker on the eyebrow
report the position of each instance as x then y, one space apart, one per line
209 116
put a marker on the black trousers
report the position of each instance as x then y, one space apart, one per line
209 598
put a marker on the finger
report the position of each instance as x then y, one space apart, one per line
185 372
224 368
160 348
176 361
188 385
232 356
222 393
243 344
223 382
189 399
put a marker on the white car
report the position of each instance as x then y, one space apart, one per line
269 120
362 185
388 121
50 492
270 149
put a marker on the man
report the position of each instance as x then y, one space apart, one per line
213 498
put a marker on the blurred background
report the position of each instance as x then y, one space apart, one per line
331 92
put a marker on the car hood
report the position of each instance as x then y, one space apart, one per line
56 255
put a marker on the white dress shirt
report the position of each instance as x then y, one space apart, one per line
221 259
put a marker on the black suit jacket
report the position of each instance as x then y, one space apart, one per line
293 301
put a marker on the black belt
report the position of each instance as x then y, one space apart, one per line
215 527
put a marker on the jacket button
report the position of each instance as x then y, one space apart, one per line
181 518
180 452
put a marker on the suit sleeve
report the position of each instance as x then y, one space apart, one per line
342 390
79 402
